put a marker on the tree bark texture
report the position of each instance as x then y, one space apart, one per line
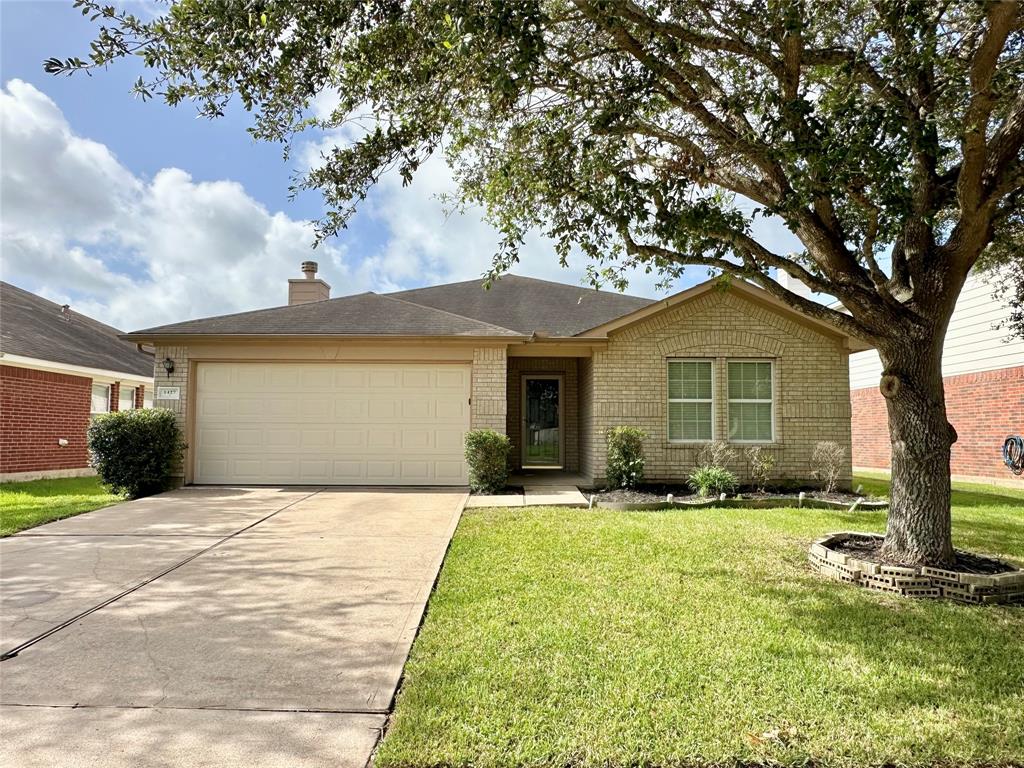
919 528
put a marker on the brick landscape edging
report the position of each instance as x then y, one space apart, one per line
914 581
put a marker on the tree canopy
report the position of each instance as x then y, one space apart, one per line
885 134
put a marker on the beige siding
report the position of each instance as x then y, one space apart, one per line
972 343
811 382
567 368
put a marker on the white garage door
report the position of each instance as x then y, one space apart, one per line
345 424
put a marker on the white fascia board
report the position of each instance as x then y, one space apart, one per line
96 374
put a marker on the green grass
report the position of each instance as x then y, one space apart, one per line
26 505
701 637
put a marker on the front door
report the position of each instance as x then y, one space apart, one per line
542 421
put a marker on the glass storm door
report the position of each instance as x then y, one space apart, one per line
542 417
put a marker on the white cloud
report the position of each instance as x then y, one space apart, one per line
78 226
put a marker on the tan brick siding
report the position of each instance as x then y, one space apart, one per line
812 402
489 409
567 368
179 379
586 408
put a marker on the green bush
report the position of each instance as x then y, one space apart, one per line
707 481
135 452
487 455
625 467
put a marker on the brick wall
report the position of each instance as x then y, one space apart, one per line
489 408
812 399
984 408
567 367
586 407
179 354
36 410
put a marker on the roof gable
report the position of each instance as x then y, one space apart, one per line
750 292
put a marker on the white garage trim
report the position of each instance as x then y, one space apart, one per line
330 423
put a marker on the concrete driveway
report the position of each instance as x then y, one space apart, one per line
215 626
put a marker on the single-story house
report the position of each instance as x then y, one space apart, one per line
381 388
59 368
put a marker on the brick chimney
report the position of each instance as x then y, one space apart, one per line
309 287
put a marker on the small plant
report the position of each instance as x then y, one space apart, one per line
762 463
708 481
827 463
716 454
625 463
135 452
487 455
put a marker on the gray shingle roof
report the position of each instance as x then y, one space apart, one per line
32 326
528 305
364 314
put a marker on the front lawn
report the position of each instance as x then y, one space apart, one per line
26 505
701 637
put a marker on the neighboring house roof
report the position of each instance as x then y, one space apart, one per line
34 327
528 305
365 314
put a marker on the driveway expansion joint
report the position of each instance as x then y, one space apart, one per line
13 652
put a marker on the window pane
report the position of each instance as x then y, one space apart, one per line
126 399
750 421
675 380
100 398
689 421
750 381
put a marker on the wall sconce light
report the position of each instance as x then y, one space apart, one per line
168 365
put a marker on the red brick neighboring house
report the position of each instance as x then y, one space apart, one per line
57 369
984 383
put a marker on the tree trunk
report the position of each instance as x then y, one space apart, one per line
919 528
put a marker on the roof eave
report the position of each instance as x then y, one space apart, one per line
143 337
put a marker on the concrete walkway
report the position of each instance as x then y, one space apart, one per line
215 626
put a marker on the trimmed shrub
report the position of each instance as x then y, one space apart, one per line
762 462
827 463
135 452
625 464
487 455
708 481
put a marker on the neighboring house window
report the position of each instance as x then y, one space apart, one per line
100 398
690 400
126 398
751 401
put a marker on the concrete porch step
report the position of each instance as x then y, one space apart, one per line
534 496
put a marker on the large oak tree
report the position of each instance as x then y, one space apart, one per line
885 134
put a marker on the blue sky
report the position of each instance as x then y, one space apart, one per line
139 214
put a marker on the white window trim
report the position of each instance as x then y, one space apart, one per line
669 400
729 401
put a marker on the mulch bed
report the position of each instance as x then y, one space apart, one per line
870 550
654 493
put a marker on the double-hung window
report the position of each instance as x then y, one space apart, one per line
751 401
691 412
126 398
100 399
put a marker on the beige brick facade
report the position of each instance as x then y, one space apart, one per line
489 406
626 382
179 379
630 383
566 367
